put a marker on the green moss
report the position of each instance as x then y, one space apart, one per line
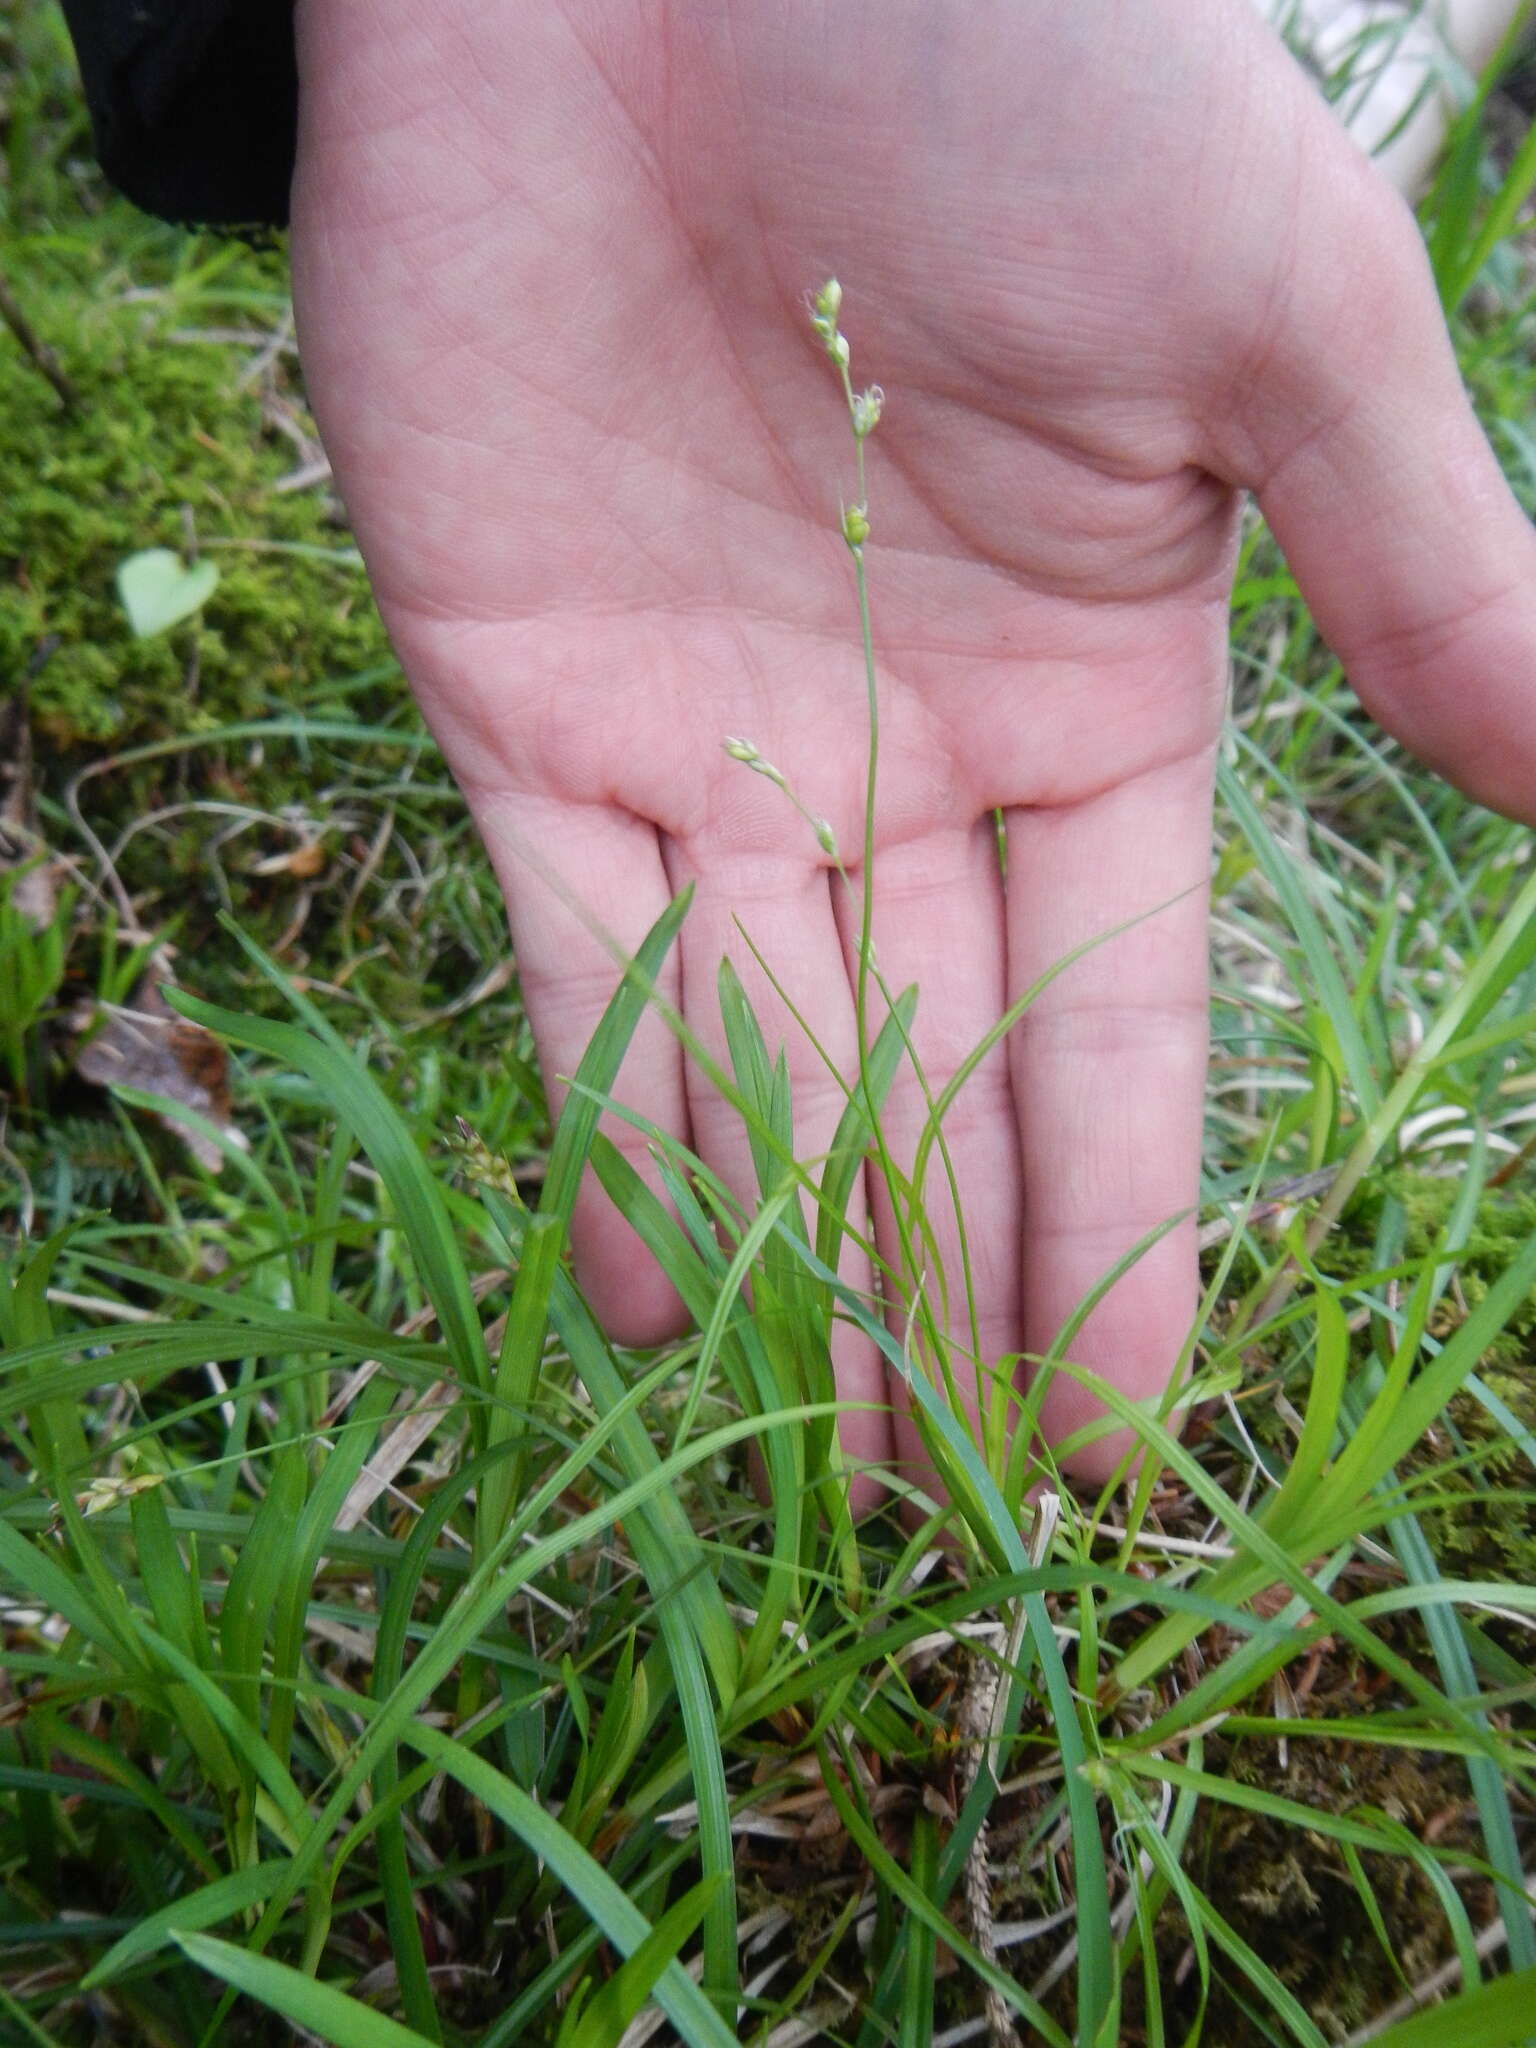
1481 1526
162 437
180 426
1291 1896
163 433
1474 1534
1503 1226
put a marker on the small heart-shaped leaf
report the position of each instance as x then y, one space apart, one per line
159 589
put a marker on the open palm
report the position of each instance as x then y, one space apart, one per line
1112 263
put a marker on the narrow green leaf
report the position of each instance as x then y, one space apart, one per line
918 1986
307 2003
885 1866
605 2019
1497 2015
599 1064
42 1579
585 1879
257 1580
851 1139
28 2033
1323 975
386 1138
516 1379
191 1913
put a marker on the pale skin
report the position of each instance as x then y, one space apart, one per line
1113 264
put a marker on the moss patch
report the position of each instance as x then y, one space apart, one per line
163 442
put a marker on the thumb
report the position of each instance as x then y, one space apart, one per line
1407 543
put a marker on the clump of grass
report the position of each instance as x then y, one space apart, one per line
387 1658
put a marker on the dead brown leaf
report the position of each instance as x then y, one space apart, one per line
303 862
145 1045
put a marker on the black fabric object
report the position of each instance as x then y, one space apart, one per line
194 104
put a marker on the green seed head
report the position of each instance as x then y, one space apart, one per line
746 753
824 310
867 408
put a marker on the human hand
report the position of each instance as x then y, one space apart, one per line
1112 263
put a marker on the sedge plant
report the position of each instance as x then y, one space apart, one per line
390 1658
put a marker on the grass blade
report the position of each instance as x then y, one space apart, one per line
1497 2015
319 2008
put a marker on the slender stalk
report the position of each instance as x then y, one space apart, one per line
864 410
